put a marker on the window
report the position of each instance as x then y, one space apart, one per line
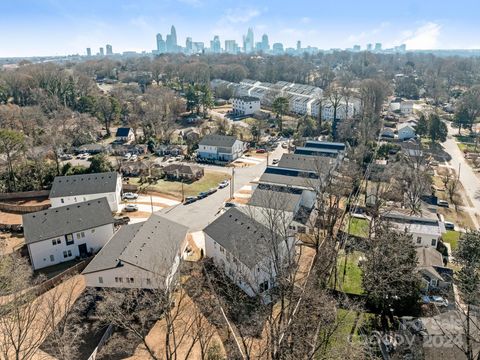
419 240
222 250
62 201
69 239
75 199
118 279
129 280
78 235
65 254
434 242
100 280
148 282
93 230
83 234
56 241
52 258
263 286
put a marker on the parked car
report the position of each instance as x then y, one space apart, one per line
131 207
66 157
127 156
212 191
442 203
275 161
439 301
82 156
134 157
449 225
228 205
130 196
189 200
223 184
124 220
203 194
284 145
261 151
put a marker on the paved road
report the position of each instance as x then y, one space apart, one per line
468 178
202 212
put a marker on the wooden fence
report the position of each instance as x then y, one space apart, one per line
22 209
25 195
102 342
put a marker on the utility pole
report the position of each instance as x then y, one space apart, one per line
183 192
232 183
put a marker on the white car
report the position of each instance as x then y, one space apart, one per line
127 156
439 301
131 208
130 196
134 157
223 184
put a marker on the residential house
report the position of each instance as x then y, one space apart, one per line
187 172
93 149
220 148
406 131
63 233
425 232
74 189
124 135
144 255
134 149
245 105
135 168
242 246
171 150
406 107
432 270
322 148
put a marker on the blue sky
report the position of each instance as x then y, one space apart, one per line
55 27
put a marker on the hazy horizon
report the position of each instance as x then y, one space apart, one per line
55 27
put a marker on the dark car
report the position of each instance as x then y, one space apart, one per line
449 225
189 200
203 194
124 220
212 191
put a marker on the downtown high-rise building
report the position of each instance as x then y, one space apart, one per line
171 41
231 47
277 49
101 52
109 49
248 42
215 45
369 47
89 52
265 44
160 44
378 47
188 45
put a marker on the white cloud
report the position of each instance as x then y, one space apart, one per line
241 15
305 20
368 35
425 37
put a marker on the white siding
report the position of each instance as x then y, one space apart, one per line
41 252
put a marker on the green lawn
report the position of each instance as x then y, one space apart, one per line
451 237
174 188
352 282
358 227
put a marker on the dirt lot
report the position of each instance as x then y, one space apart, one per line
10 242
10 219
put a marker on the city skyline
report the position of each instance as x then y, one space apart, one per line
49 28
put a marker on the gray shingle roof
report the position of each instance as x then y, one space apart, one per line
151 245
242 236
72 185
54 222
107 258
275 198
285 180
218 140
305 162
123 131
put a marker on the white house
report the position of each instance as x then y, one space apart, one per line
124 135
406 107
245 105
220 148
63 233
432 271
144 255
242 247
425 232
78 188
406 131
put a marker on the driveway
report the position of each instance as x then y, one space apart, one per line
146 205
468 177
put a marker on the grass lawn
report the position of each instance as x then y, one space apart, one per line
174 188
459 217
352 283
451 237
358 227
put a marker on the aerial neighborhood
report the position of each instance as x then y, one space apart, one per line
240 203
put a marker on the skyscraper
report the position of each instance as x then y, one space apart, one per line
215 45
277 48
378 47
173 40
248 42
299 45
89 52
188 45
160 44
369 47
231 47
101 52
109 49
265 44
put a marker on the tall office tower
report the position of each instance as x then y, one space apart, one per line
277 48
231 47
168 44
265 44
160 44
357 48
369 47
403 47
378 47
299 45
89 52
248 41
188 45
215 45
109 49
173 38
101 52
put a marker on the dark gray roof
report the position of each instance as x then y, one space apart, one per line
72 185
273 197
242 236
108 257
123 131
54 222
288 180
247 98
305 162
218 140
151 245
